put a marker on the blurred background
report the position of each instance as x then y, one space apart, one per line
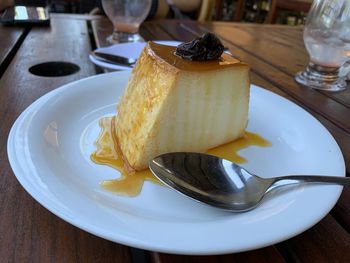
291 12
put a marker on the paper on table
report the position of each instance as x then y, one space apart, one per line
130 50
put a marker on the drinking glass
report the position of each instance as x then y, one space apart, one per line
327 40
126 17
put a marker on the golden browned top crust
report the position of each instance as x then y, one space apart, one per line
167 54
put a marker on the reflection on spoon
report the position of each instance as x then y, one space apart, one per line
130 184
219 182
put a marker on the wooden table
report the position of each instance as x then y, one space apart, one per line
30 233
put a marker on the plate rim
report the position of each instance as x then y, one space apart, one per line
127 240
111 66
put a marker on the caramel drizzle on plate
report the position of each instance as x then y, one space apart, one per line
130 183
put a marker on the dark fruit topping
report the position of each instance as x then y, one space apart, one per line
207 47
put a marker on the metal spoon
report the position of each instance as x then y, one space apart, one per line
219 182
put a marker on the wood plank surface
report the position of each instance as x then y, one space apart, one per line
341 211
29 232
327 241
270 63
262 66
265 255
258 59
253 44
11 39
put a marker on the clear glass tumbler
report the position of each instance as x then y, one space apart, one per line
327 40
126 17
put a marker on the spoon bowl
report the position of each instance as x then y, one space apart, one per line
221 183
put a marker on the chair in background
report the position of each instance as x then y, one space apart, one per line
71 6
298 6
206 10
237 13
262 11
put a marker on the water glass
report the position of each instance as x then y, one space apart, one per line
327 40
126 17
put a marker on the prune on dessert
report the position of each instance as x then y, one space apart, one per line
207 47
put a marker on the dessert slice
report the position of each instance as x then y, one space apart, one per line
173 104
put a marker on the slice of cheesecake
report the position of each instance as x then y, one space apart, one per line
172 104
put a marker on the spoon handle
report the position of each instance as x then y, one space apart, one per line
316 179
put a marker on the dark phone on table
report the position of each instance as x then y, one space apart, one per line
26 15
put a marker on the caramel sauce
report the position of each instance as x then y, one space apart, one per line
130 184
167 53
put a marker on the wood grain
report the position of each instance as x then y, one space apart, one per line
28 232
341 211
269 254
11 39
267 54
325 242
261 64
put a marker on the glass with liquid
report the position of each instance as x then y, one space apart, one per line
126 17
327 40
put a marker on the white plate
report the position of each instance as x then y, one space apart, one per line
50 143
129 50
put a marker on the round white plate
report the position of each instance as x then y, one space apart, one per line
49 149
129 50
